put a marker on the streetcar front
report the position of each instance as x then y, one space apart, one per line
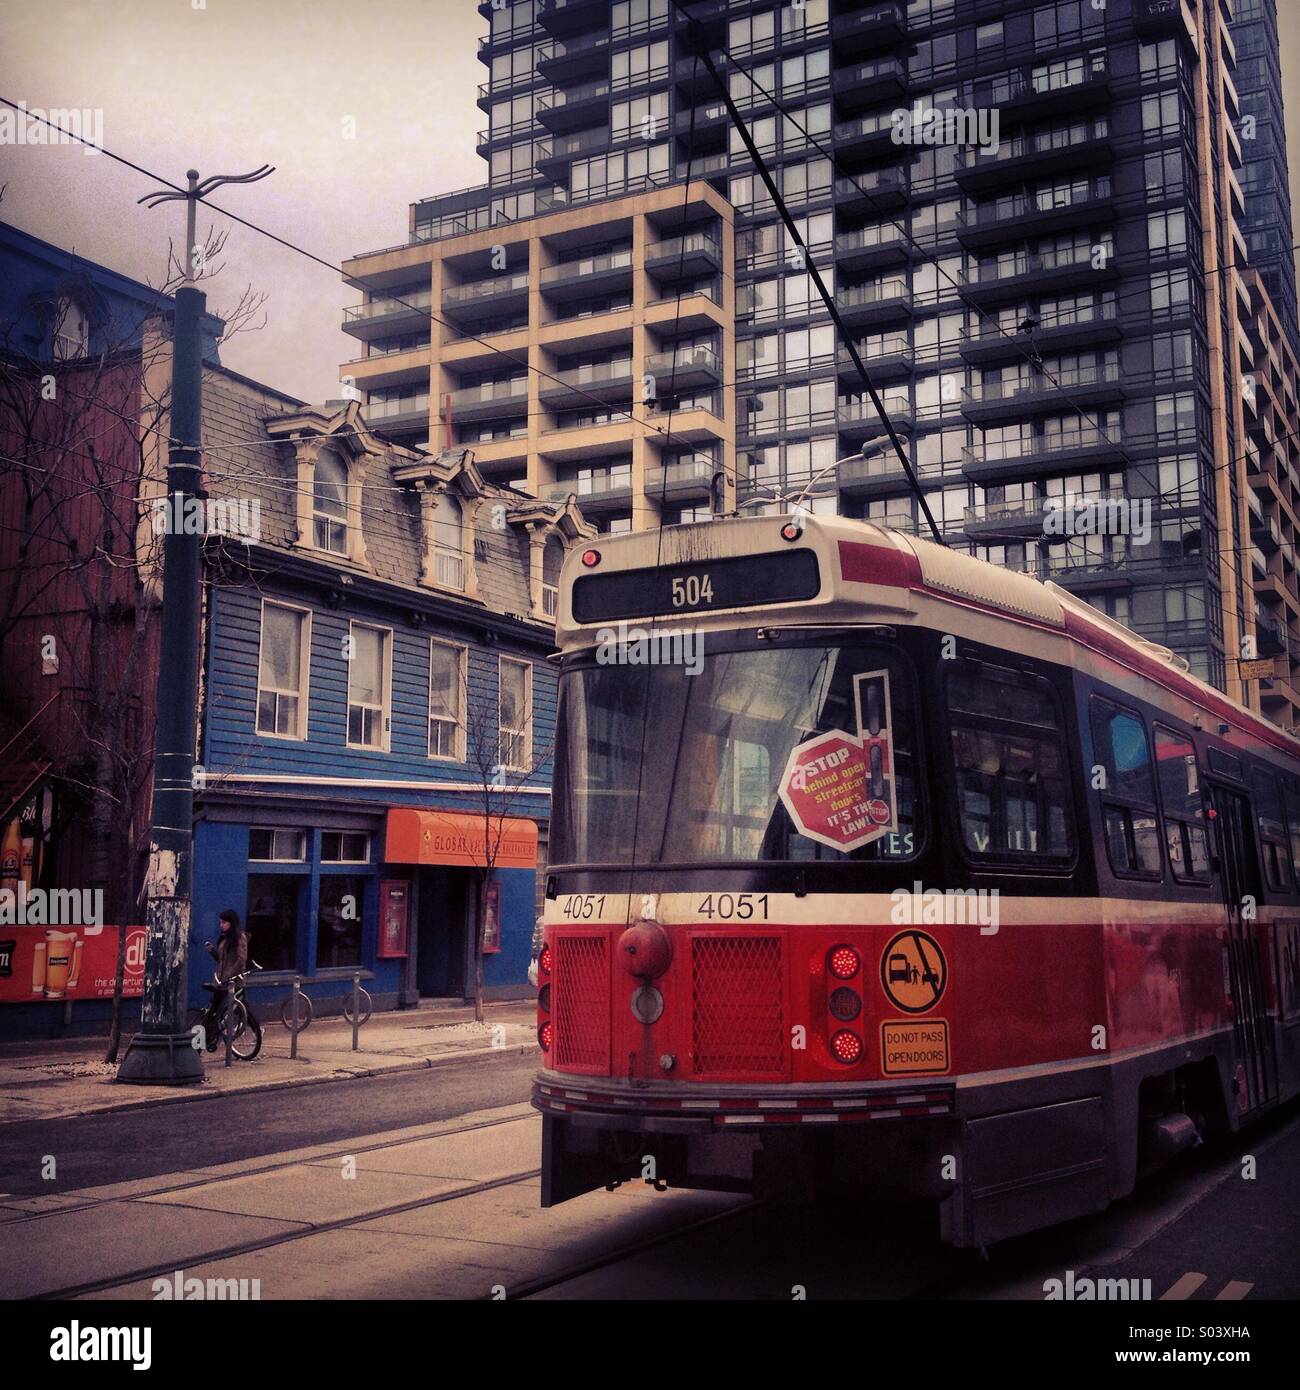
738 793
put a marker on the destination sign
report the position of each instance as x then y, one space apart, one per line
740 581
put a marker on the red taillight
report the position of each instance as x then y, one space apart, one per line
591 558
544 1034
843 962
791 531
846 1047
544 961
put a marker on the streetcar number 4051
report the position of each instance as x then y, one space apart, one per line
692 589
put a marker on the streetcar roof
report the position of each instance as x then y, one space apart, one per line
871 574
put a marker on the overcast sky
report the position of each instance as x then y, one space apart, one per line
238 83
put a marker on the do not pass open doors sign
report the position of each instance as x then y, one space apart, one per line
840 787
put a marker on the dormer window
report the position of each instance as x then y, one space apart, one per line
448 545
71 331
330 505
552 560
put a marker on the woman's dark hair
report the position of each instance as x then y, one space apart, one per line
231 916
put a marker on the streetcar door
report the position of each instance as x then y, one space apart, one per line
1239 875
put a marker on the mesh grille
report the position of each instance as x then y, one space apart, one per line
581 992
736 1005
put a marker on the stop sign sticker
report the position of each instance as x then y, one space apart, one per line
839 787
826 790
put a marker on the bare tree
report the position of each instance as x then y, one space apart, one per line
83 451
504 762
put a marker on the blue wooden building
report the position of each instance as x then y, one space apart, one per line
376 704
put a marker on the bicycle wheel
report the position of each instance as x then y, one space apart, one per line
248 1038
365 1002
304 1012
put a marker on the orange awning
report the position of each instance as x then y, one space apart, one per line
454 837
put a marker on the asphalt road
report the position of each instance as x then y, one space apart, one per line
91 1150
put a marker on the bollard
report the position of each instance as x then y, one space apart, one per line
230 1022
293 1037
356 1008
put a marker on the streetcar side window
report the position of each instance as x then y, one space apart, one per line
1123 779
1008 746
1181 797
1291 798
1273 846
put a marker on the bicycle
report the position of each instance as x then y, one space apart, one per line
236 1018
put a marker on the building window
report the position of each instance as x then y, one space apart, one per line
344 847
448 544
330 505
283 665
515 710
552 563
272 919
273 846
71 331
368 686
338 921
446 701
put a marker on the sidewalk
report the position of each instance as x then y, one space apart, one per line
53 1079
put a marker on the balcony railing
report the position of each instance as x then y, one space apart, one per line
990 330
572 96
992 452
884 292
1030 263
505 393
401 405
492 288
590 374
377 308
678 247
591 488
589 265
1042 384
665 364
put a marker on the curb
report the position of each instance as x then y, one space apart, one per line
184 1094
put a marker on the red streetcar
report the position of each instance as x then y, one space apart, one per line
873 862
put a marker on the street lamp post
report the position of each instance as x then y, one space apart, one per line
161 1053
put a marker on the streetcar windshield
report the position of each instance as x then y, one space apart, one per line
656 765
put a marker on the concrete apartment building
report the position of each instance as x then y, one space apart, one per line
1054 315
585 351
1267 219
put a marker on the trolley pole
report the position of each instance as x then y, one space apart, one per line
161 1053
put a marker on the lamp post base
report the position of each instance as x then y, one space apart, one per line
161 1059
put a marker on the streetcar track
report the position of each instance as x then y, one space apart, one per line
549 1281
250 1247
212 1179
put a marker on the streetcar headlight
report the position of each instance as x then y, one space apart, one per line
846 1047
843 962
